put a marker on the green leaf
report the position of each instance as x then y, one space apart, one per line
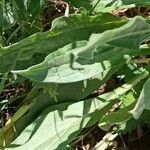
58 125
143 101
6 16
81 3
48 71
93 60
129 102
27 10
64 115
19 10
109 5
121 115
64 30
35 104
35 7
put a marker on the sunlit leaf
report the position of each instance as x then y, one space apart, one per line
64 30
90 61
143 101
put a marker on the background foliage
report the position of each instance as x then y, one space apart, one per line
58 68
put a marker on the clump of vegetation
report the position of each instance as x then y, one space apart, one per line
70 68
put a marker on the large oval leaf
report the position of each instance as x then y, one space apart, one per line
108 5
62 113
64 30
93 60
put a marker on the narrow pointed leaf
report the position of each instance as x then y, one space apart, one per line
110 5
